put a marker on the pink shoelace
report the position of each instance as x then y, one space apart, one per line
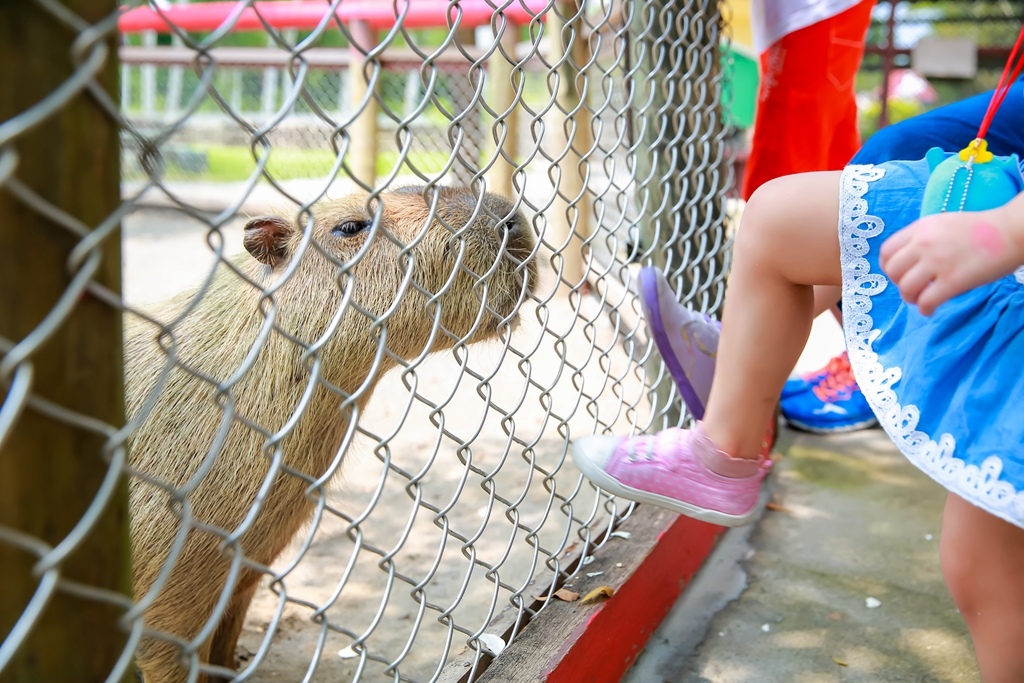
839 383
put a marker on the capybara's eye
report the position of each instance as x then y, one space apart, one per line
349 228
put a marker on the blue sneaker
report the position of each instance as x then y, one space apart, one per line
834 404
798 385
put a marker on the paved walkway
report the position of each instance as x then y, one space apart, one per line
839 581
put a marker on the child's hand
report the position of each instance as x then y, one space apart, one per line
943 255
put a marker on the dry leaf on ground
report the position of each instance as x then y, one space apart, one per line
563 594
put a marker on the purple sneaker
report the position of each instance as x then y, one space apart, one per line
678 469
687 340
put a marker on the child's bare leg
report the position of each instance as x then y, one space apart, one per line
825 298
788 242
982 557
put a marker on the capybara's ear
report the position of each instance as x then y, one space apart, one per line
266 238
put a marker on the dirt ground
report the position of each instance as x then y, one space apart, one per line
434 508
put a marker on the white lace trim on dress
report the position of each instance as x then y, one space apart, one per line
979 485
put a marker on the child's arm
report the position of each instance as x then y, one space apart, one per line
943 255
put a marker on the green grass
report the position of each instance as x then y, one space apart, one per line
230 163
236 163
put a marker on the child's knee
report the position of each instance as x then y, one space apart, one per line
769 223
763 216
962 554
788 230
981 557
960 573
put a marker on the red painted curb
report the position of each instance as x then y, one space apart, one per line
604 647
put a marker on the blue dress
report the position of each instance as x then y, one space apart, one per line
948 389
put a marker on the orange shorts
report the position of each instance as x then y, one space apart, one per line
807 110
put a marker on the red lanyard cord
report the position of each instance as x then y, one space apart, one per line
1010 74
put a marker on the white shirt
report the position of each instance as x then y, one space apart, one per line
773 19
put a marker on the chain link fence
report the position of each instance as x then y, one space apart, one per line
329 441
209 147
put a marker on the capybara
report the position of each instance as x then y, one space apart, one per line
243 403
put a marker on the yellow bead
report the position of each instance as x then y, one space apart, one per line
978 151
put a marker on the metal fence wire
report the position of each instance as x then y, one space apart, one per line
317 426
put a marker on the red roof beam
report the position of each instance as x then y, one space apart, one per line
307 14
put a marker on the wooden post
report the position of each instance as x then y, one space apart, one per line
126 87
268 92
148 82
236 89
175 76
467 162
49 470
501 95
569 138
362 152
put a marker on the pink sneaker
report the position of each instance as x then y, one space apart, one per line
678 469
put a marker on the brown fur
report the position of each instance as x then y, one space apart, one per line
175 441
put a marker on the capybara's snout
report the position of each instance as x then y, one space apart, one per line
461 208
492 227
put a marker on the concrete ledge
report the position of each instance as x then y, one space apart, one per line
570 642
